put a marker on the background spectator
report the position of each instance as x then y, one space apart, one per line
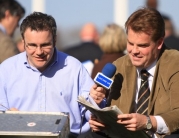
19 43
10 14
88 49
113 43
171 39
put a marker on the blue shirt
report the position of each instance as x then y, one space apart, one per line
54 90
2 28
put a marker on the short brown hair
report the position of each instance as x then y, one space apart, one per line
147 20
39 22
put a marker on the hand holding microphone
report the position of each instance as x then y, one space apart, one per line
103 83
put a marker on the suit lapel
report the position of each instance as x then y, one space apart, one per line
156 80
131 82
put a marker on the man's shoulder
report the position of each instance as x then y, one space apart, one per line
170 54
70 64
67 59
123 60
5 37
123 64
14 60
169 62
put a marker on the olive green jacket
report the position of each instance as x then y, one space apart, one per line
164 98
7 47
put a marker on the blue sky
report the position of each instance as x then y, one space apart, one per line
70 15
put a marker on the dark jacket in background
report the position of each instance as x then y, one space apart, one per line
85 51
172 42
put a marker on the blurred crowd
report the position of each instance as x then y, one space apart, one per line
95 49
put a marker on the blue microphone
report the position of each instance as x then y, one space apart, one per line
103 78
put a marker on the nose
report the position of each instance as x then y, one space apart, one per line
135 50
39 50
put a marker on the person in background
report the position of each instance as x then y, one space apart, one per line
113 44
152 4
10 14
171 39
146 83
19 44
43 79
87 49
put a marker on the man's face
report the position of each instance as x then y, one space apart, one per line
141 49
39 47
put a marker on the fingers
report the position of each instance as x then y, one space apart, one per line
95 126
13 109
98 90
127 121
131 127
132 121
94 86
124 116
97 93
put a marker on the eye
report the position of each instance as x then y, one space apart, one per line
32 45
143 46
130 43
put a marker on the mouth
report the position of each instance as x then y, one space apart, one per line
40 58
136 58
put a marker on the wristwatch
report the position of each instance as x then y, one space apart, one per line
149 123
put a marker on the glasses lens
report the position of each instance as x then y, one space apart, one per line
32 47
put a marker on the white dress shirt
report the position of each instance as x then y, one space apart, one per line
161 126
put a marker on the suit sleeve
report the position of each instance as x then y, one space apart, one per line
8 49
169 101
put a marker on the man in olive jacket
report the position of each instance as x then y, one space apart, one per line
146 51
164 92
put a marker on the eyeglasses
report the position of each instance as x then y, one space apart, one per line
45 46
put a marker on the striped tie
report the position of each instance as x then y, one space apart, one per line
144 94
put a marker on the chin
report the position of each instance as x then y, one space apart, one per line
40 66
137 64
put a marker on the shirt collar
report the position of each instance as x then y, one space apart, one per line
150 69
54 61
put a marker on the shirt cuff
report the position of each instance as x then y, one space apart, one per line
161 125
103 103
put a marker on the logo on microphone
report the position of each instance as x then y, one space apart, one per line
102 80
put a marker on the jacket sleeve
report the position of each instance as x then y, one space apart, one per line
8 49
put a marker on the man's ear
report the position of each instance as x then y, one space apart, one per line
160 42
23 42
7 14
